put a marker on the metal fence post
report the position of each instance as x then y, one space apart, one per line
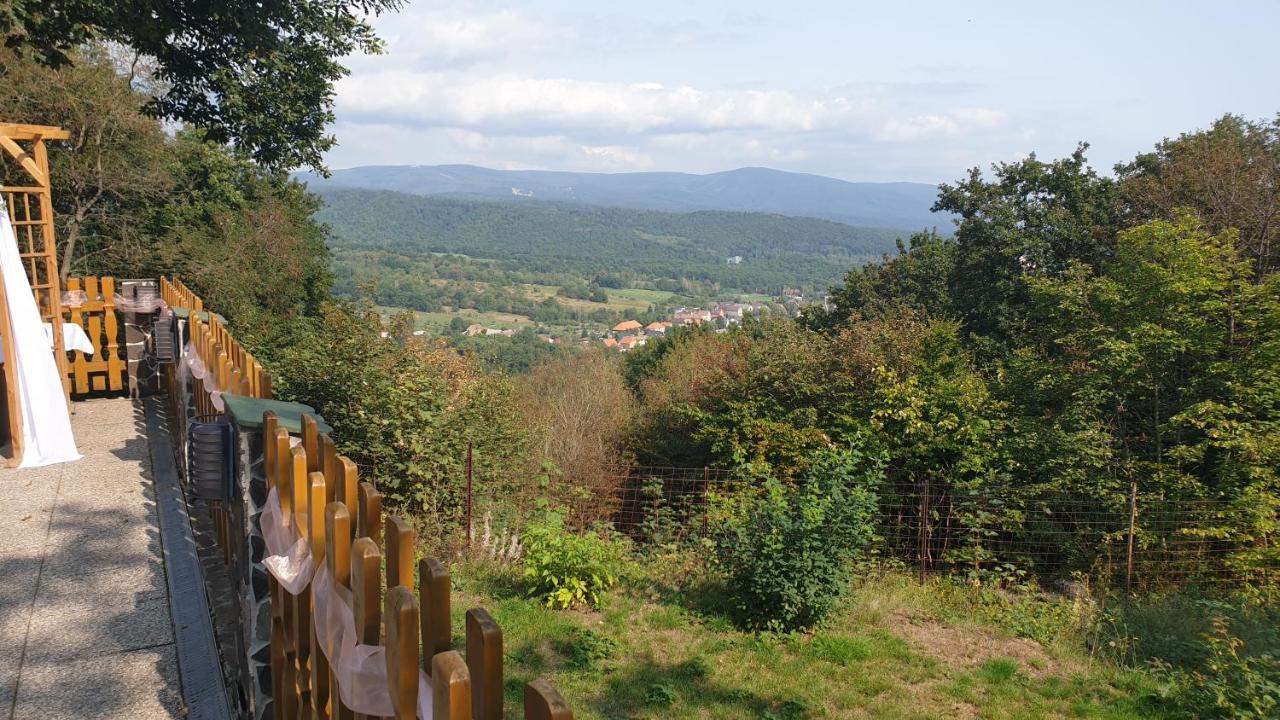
469 469
924 529
1133 523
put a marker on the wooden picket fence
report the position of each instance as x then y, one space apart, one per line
407 609
231 367
95 313
342 520
176 294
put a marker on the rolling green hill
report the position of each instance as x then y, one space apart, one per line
614 247
900 205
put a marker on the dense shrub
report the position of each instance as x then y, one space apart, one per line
788 548
568 568
1232 683
405 410
578 408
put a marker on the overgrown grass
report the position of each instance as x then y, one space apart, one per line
436 323
659 647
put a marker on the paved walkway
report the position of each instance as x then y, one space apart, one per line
85 627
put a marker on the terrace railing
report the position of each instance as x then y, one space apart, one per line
89 303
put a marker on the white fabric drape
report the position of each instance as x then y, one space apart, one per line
73 338
361 669
46 426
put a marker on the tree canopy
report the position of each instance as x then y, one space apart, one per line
257 75
133 201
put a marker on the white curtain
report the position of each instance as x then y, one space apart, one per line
46 426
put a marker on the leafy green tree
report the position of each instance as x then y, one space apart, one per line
916 278
1228 175
243 236
1033 219
112 170
516 354
130 201
405 410
257 75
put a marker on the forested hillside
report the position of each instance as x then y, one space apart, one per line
776 251
900 205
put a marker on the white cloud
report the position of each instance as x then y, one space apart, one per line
617 156
463 83
505 102
433 34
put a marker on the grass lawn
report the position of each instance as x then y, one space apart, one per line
894 649
436 323
639 298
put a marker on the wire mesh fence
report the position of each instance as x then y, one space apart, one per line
1118 539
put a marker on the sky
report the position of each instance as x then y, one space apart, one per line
913 90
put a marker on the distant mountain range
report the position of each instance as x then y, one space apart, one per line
901 206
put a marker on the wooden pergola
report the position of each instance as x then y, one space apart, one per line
31 211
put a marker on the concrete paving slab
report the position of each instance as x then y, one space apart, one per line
93 559
10 516
20 573
96 627
9 664
23 492
134 583
103 511
86 621
140 685
24 536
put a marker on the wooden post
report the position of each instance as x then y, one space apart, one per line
13 402
484 663
320 673
287 466
337 522
542 702
924 529
329 465
401 616
311 442
398 546
366 587
450 687
370 513
706 500
270 468
301 602
434 599
348 492
284 471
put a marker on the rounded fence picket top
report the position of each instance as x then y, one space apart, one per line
210 449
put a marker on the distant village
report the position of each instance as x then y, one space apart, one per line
630 334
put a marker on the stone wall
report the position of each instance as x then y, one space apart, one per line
235 578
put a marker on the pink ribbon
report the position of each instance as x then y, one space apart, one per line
361 669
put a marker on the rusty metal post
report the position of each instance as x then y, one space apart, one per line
1133 527
469 470
924 529
706 498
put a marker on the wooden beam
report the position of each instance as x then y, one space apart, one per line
20 131
13 402
25 159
